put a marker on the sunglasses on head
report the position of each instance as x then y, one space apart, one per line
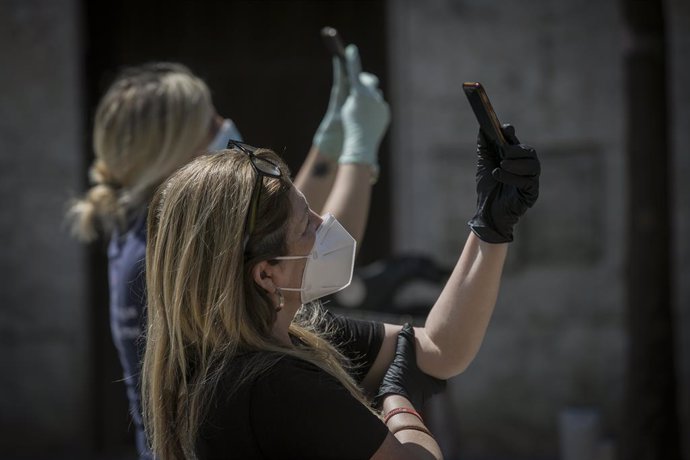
263 168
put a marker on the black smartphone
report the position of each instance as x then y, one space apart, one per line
332 40
488 121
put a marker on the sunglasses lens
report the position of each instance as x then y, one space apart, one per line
266 167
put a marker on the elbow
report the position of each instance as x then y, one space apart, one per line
453 370
444 367
443 362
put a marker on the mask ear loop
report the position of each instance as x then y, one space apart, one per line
281 300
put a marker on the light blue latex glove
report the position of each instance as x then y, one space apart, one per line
365 114
329 136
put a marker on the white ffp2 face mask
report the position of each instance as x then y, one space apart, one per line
330 262
227 131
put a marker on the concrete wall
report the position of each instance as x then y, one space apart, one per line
43 319
554 70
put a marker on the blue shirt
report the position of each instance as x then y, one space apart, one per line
127 279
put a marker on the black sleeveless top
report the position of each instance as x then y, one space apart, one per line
295 410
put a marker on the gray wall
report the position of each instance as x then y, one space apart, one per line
554 70
44 386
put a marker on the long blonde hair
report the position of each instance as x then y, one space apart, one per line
203 305
151 121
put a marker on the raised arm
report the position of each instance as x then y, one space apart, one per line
456 325
317 174
357 127
507 185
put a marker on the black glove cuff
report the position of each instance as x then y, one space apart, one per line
488 234
377 403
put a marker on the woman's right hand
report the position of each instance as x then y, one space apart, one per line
329 136
404 378
507 185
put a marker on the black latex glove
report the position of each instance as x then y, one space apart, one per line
507 184
404 377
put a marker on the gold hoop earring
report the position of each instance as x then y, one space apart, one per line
281 300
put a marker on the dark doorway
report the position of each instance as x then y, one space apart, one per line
267 69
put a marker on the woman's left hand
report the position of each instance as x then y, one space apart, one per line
404 377
365 114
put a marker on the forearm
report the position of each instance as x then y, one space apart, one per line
315 179
456 325
419 444
350 198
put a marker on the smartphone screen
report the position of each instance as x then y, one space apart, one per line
488 121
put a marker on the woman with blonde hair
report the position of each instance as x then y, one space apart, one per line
242 362
153 119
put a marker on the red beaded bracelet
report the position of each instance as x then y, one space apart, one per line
402 410
423 429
